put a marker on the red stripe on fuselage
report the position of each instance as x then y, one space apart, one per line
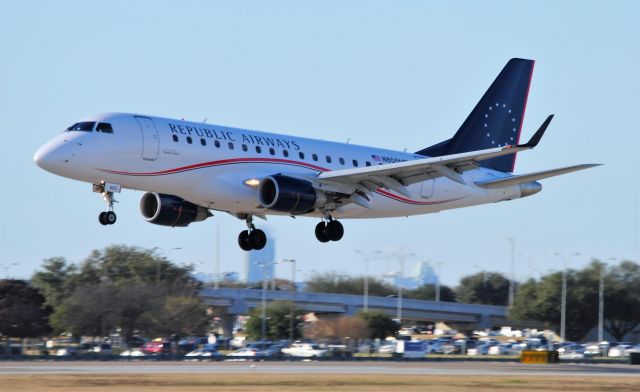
263 160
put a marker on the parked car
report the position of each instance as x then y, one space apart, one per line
387 347
500 349
573 352
133 352
156 347
191 343
596 348
84 349
207 352
244 354
306 350
621 350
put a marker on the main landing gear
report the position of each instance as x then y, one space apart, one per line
329 231
107 217
252 238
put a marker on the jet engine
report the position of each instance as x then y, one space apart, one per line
288 194
169 210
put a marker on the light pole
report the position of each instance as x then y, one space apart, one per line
401 256
216 267
563 303
438 264
603 267
292 309
512 288
263 312
365 294
6 267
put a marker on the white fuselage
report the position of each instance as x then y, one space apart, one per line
154 154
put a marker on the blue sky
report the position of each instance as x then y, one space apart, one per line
387 74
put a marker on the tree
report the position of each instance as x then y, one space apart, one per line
54 281
541 300
428 292
277 327
122 287
23 312
489 288
333 282
379 324
181 315
622 299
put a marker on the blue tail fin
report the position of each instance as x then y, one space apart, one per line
496 120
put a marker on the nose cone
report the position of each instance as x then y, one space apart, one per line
52 156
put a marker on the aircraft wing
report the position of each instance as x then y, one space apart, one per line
522 178
396 176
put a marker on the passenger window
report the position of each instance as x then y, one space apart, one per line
175 138
258 149
203 142
328 159
104 127
355 163
230 146
314 157
285 153
82 126
245 148
301 155
367 163
341 161
272 151
217 144
189 140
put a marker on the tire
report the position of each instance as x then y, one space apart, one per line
334 230
102 218
257 239
110 217
321 232
243 240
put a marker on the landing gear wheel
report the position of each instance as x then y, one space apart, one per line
257 239
243 240
321 233
102 219
110 217
334 230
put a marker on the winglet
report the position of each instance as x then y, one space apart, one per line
535 139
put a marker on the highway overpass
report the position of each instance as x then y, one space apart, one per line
231 302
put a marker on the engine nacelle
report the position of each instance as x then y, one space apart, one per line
288 194
169 210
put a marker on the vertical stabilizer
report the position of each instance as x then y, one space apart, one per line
496 120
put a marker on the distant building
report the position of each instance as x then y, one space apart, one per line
259 262
422 274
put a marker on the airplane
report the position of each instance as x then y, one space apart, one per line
190 169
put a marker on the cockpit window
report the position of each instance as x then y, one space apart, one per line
82 126
104 127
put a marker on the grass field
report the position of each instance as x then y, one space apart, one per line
307 383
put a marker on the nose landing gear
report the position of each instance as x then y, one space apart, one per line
252 238
107 217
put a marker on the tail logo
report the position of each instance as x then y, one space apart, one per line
495 119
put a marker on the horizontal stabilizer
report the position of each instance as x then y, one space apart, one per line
522 178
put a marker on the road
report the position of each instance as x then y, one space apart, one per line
343 368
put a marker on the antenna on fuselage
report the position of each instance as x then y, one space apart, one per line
348 140
204 121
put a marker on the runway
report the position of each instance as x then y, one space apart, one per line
341 368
